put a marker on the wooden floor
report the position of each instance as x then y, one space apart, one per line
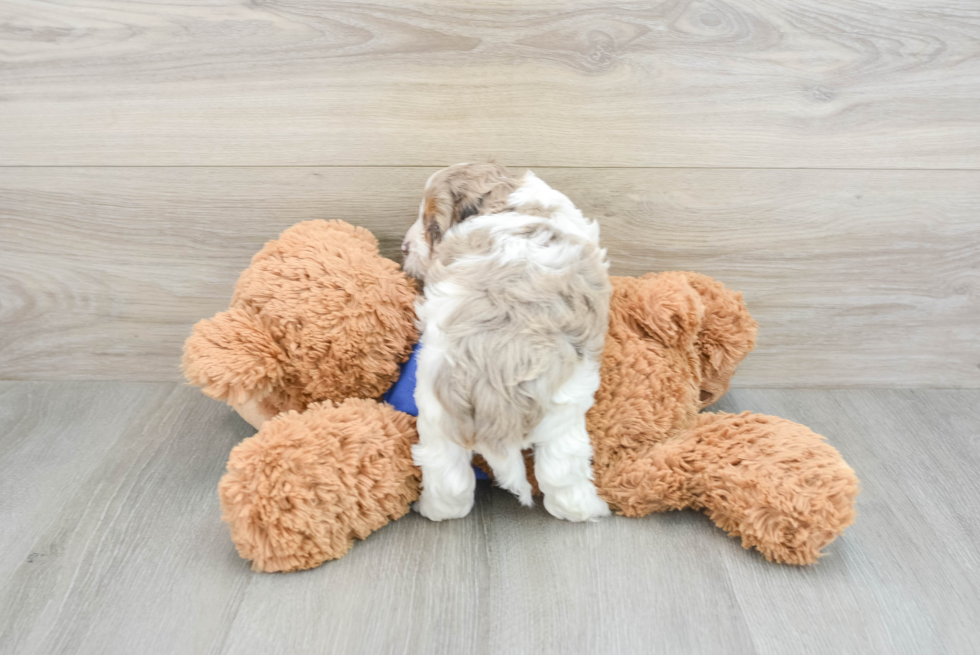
112 543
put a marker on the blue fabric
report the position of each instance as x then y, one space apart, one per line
401 395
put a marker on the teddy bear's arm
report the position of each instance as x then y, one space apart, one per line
233 358
726 336
775 483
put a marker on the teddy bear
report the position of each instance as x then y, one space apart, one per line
320 324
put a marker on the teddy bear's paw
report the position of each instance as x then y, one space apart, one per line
776 484
307 485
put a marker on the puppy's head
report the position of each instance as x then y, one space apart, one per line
451 196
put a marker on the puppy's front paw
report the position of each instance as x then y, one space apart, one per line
441 508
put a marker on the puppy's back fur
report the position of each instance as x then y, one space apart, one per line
518 305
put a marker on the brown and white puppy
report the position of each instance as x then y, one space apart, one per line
452 195
513 320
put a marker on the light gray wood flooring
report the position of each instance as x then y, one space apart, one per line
112 542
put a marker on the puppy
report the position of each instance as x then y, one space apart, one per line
513 319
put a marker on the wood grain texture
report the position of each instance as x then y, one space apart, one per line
783 83
108 492
112 543
856 277
913 547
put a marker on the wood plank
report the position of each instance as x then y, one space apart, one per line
53 439
856 277
603 587
505 580
912 549
109 505
788 83
413 587
127 552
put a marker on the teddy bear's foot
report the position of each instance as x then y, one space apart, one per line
255 411
775 483
307 484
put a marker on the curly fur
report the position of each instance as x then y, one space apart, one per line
514 317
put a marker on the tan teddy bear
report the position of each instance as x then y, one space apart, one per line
319 323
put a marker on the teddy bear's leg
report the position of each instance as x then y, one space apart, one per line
775 483
307 484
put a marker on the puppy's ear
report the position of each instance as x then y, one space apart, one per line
433 234
435 220
459 192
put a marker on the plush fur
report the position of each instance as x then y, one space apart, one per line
308 484
674 340
513 319
298 492
318 315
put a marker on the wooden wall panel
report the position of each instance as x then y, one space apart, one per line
856 277
736 83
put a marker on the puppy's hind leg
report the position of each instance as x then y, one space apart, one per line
563 451
448 481
563 466
510 474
